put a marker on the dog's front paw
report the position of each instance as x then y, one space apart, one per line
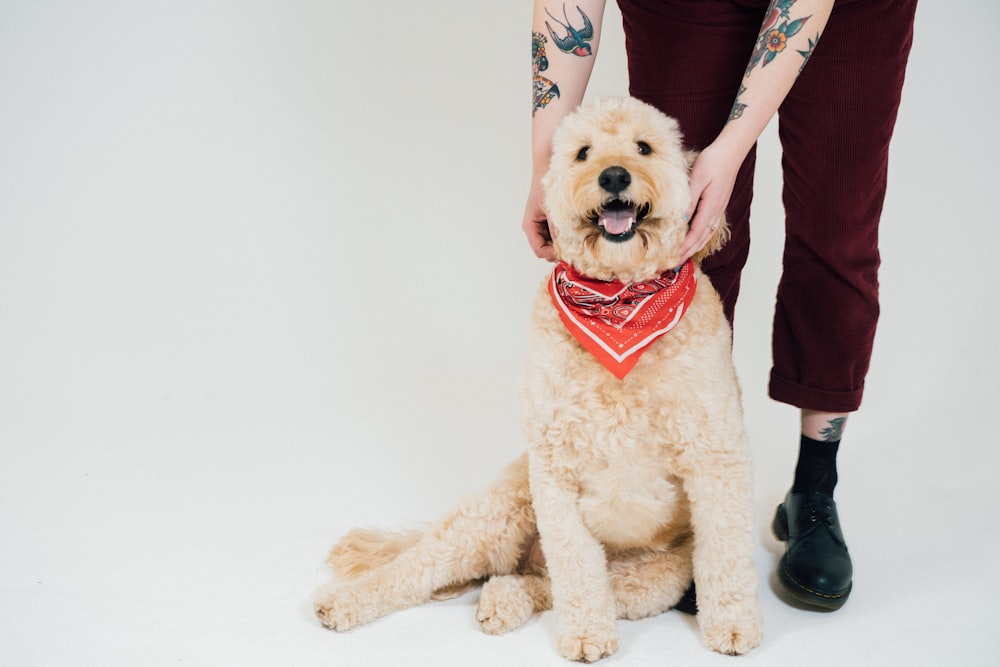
733 636
338 607
589 644
504 605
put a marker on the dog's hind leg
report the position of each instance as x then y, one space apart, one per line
508 601
488 534
644 583
650 582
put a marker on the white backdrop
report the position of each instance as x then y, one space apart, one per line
262 279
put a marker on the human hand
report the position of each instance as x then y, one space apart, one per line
713 176
536 226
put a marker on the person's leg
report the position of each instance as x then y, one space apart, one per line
835 127
816 568
687 59
816 469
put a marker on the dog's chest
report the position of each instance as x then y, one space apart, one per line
625 502
622 441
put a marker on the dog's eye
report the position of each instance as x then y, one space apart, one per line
644 148
582 155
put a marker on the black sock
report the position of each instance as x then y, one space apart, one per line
817 466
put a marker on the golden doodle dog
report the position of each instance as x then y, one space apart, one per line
637 476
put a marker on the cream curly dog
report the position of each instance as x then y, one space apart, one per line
630 487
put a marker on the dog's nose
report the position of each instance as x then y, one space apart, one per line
614 179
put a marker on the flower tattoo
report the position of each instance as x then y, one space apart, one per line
777 28
775 42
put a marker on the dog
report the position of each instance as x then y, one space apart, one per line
637 476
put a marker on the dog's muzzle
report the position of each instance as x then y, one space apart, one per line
617 218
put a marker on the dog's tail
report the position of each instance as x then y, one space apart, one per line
492 532
363 550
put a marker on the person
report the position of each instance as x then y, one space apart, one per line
833 73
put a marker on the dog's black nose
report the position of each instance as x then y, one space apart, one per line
614 179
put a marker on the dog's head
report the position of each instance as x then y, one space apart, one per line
617 191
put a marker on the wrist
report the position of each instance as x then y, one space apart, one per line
540 166
735 141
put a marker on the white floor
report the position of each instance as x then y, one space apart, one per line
225 233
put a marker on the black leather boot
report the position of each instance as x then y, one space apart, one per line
816 568
688 604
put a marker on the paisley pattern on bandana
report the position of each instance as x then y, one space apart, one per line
616 322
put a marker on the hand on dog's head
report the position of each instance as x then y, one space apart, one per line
617 190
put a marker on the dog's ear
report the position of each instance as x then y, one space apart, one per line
689 157
715 243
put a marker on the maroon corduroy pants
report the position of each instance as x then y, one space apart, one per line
688 59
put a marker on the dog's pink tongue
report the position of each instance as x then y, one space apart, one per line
617 222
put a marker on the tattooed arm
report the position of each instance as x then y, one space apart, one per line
790 30
564 40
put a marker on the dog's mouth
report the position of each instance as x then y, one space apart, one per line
617 219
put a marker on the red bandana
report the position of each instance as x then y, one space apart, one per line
615 322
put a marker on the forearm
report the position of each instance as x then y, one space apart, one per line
790 31
565 38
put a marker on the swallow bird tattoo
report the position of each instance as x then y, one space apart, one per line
575 40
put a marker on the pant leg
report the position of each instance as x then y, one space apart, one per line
835 126
687 58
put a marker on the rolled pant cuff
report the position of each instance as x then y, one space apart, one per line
808 398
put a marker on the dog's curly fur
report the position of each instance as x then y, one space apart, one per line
630 488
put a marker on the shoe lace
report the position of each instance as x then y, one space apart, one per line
820 510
